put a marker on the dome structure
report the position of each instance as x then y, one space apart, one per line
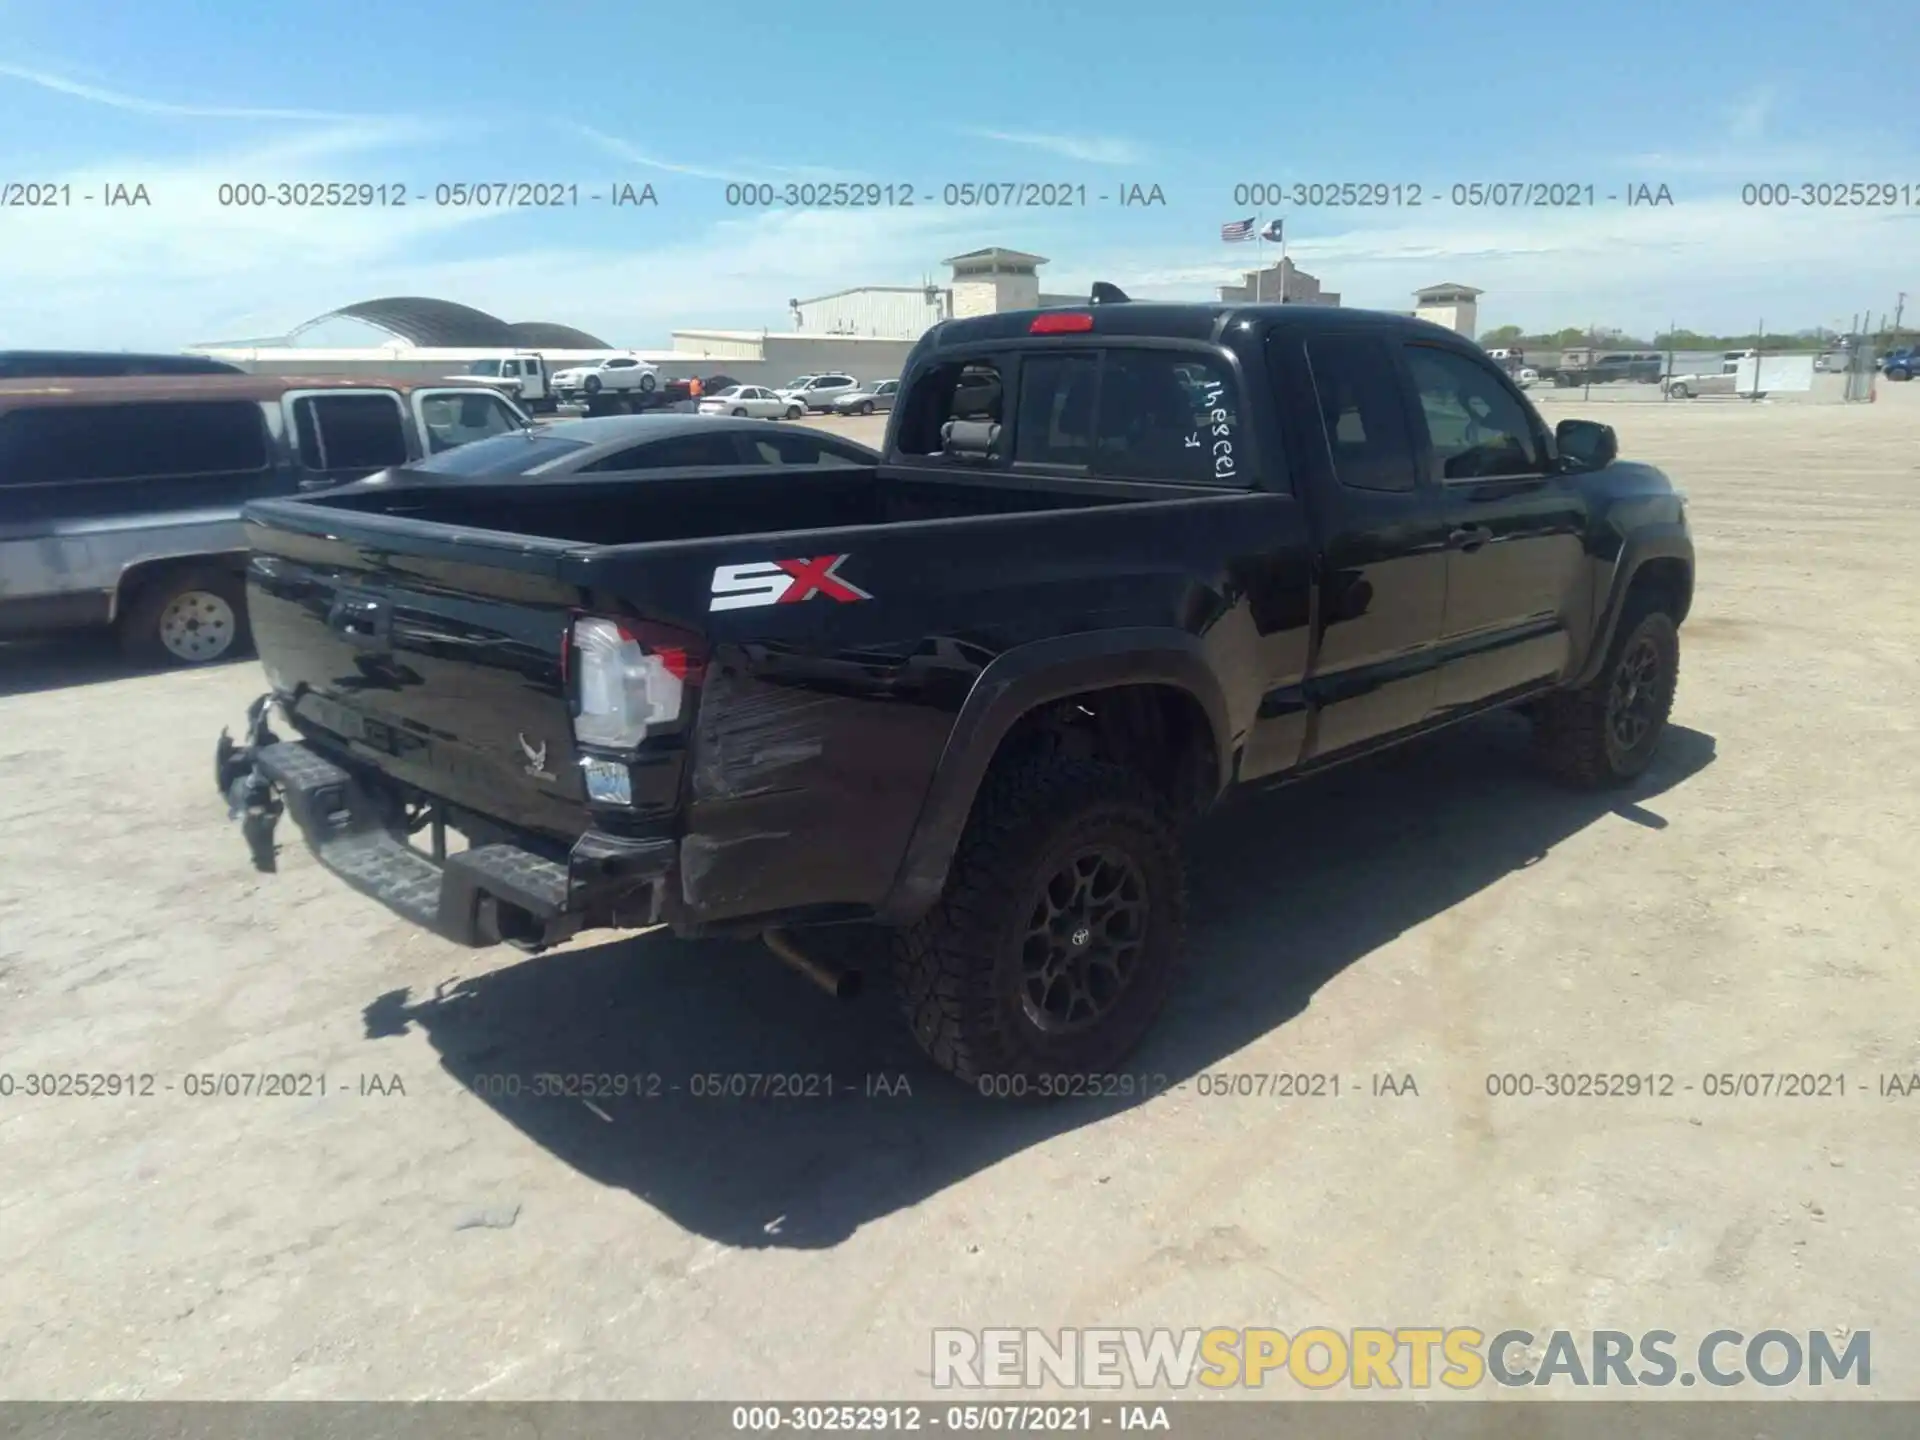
444 324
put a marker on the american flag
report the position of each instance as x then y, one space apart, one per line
1238 230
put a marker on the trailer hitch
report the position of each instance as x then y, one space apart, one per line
249 794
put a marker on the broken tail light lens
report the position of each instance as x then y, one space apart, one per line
622 687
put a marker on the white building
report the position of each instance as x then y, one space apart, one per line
986 282
1454 306
889 312
983 282
1282 283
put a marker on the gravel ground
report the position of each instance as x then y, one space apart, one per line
1440 913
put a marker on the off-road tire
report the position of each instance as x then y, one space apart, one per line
1573 731
958 971
141 616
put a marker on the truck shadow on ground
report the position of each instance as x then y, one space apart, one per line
28 667
1289 888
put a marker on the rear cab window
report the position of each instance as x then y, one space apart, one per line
1110 411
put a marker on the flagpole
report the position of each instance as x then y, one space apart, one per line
1283 262
1259 259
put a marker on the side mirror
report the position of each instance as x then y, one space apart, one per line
1586 444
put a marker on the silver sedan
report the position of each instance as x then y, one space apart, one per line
868 399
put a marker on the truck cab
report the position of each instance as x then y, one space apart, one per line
523 377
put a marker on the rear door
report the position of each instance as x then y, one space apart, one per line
342 435
1382 577
1515 530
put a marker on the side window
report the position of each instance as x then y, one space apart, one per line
1056 414
1478 429
456 419
711 449
1369 439
791 449
954 391
164 456
621 364
1165 415
350 432
69 443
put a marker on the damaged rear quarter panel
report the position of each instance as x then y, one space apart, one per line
808 775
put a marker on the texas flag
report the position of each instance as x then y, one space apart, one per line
1272 232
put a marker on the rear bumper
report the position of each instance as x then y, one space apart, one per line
489 894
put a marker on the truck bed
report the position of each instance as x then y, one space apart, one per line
622 511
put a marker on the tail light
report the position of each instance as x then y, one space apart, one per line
622 687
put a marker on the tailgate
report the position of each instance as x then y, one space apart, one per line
436 659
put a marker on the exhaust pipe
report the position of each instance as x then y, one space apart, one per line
841 983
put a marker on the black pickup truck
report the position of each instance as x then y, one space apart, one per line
1113 561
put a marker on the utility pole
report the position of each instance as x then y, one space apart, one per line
1899 309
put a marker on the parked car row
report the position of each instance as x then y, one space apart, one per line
830 394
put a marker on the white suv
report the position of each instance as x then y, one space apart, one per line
621 372
818 392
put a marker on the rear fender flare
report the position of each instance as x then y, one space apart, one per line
1010 687
1667 540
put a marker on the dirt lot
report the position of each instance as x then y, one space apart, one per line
1440 914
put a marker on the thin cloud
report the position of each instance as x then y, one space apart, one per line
1786 164
747 171
633 155
1088 149
139 105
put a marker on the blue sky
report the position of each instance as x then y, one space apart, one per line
1702 98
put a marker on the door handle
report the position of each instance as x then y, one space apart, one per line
1471 539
